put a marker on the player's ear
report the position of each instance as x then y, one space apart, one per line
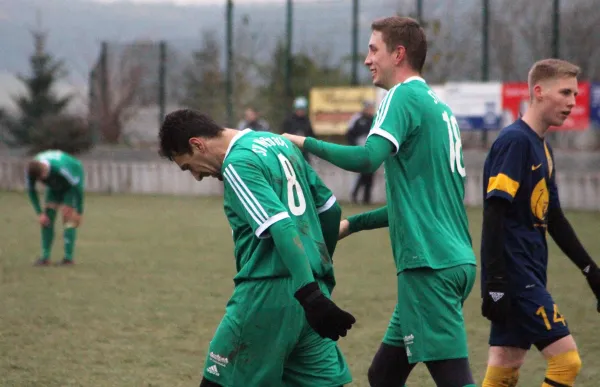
537 92
400 54
197 145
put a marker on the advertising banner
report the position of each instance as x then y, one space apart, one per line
475 105
595 105
515 100
331 108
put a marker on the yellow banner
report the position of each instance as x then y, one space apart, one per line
331 108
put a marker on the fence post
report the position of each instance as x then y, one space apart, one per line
354 80
229 64
162 80
485 56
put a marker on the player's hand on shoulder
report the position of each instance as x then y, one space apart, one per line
496 305
322 314
344 229
296 140
593 279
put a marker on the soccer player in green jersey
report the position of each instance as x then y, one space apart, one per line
416 137
63 176
280 325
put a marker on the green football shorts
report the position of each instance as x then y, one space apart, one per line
428 319
264 340
66 198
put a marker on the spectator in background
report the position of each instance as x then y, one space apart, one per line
253 121
299 123
358 130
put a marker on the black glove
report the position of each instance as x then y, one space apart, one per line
593 278
322 314
496 305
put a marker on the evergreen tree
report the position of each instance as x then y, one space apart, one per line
39 101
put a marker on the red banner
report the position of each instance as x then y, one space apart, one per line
515 100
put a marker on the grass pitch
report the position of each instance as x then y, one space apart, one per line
152 278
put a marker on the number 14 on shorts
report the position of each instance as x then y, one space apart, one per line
558 318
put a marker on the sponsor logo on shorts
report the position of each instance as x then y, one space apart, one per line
408 340
220 360
213 370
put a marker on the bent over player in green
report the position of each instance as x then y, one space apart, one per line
416 137
63 176
280 325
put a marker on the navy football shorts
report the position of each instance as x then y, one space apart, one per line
535 318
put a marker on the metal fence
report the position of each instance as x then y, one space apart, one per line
265 54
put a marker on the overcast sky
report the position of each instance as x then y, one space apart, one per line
200 2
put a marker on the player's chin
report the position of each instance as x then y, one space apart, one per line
560 120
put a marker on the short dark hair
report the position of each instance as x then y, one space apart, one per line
35 169
180 126
404 31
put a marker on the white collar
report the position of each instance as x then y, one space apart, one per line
414 78
235 138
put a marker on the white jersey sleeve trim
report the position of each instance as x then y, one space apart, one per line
268 223
245 196
330 202
387 136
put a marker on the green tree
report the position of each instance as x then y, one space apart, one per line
307 72
39 101
203 79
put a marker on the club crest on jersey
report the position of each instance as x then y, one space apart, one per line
539 200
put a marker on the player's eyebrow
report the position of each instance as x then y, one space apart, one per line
568 90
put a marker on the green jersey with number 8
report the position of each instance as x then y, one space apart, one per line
266 180
424 179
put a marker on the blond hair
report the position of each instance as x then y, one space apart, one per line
546 69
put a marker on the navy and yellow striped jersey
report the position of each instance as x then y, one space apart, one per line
520 169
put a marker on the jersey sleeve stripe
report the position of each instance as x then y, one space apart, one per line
70 178
503 183
248 192
272 220
240 196
386 135
330 202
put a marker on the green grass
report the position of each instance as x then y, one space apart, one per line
151 283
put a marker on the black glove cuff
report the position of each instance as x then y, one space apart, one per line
308 293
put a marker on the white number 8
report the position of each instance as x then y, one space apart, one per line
292 183
455 144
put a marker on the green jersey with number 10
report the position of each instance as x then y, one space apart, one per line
424 179
266 180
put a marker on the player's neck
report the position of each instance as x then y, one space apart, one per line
45 171
535 122
224 141
402 75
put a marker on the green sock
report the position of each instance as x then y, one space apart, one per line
48 234
69 236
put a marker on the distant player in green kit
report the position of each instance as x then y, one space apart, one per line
63 176
417 138
280 325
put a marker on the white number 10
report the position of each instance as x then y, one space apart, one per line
455 144
292 183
